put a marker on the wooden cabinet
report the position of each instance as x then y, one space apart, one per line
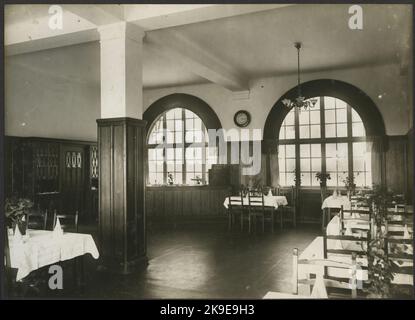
54 173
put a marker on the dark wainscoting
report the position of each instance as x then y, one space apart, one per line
184 203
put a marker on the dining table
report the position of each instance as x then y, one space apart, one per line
39 248
269 201
333 202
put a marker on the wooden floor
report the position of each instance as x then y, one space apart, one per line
193 262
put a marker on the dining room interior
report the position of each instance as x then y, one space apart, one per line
208 151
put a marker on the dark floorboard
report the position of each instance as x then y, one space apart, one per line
191 262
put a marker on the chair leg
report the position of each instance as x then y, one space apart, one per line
229 221
272 221
295 217
249 223
323 219
263 223
281 219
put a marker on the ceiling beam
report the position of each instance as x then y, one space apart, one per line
195 59
154 17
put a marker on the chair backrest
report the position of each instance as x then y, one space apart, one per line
256 200
236 201
357 244
350 216
326 265
67 221
399 248
37 219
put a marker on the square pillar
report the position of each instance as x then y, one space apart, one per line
121 150
122 223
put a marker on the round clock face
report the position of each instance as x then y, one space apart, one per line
242 118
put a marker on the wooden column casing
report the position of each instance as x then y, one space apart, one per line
122 223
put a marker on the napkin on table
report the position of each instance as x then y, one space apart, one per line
17 237
319 289
57 231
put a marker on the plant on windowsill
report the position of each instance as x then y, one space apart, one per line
15 210
323 177
350 185
170 179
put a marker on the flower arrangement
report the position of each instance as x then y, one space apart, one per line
350 184
15 210
323 177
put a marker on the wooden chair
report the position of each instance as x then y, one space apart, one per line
322 268
67 221
257 209
236 208
396 248
37 219
362 216
290 209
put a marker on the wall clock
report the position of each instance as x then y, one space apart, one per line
242 118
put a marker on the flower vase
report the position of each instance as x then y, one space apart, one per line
22 225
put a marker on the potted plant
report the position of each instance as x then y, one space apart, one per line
15 211
350 185
380 268
170 178
323 177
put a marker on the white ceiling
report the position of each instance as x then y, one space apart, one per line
255 44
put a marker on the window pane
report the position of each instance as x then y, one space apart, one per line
330 130
304 150
316 164
330 116
290 150
305 165
315 117
342 130
282 133
304 132
358 130
306 179
304 117
329 103
341 115
290 132
315 131
316 150
289 119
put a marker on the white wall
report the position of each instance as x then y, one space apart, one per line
42 105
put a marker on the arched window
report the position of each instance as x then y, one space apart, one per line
178 150
328 138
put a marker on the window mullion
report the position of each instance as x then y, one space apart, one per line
349 142
203 153
297 144
323 136
164 149
184 146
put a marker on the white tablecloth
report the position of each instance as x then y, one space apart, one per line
41 249
336 202
269 201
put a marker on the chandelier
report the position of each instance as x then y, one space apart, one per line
299 102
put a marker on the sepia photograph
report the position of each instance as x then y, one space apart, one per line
241 151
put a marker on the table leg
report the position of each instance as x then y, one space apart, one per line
323 219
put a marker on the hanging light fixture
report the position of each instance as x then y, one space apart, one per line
299 102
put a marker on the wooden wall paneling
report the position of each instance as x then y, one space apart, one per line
395 157
195 202
178 202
